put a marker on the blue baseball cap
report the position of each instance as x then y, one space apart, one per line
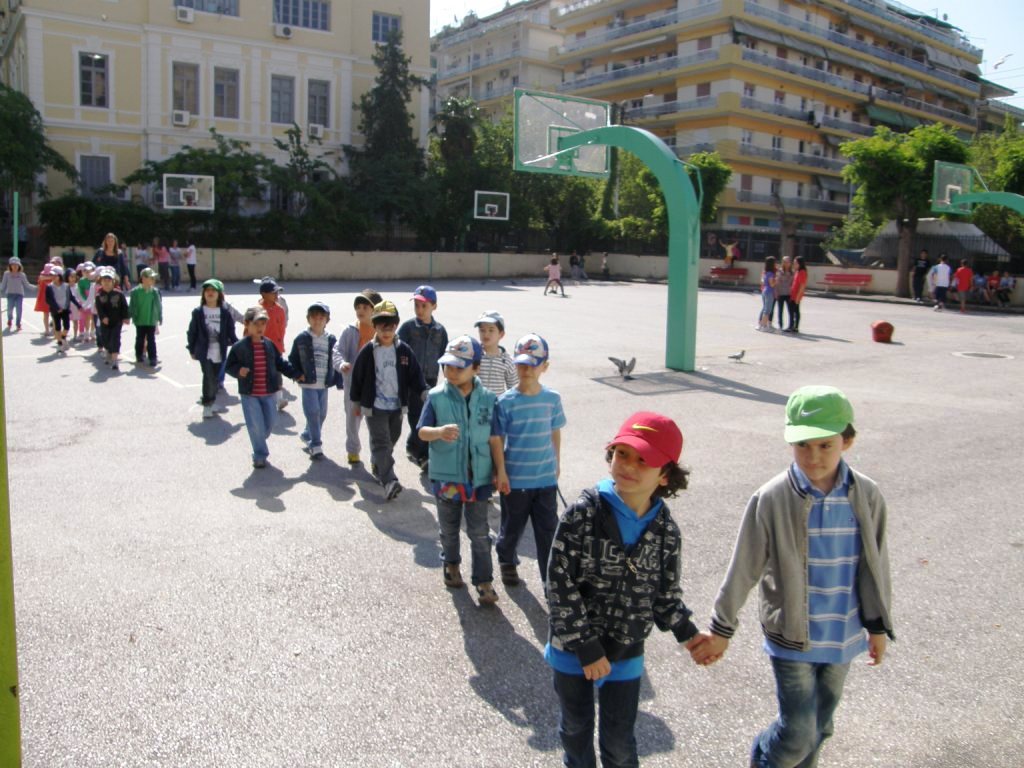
462 352
531 350
425 293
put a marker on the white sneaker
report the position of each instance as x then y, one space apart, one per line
207 411
316 452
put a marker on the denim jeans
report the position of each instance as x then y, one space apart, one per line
539 506
449 518
808 695
314 407
259 413
385 427
209 390
175 276
617 705
14 301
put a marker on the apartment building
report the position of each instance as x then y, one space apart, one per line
486 58
121 82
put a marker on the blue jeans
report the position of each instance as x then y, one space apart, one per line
259 413
617 705
175 276
314 407
539 506
808 695
14 301
449 517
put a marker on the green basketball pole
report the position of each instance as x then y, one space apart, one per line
1005 199
683 231
14 227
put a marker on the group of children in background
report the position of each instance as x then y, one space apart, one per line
782 286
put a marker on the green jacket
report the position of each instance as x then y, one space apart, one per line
468 459
144 306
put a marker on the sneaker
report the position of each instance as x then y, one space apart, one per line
113 367
373 471
486 593
154 363
423 463
509 575
19 326
392 489
207 411
316 452
453 576
259 463
353 458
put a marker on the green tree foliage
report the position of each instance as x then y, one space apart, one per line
24 151
387 171
452 175
893 172
999 158
856 231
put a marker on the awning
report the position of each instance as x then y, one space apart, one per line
830 184
950 60
770 35
892 117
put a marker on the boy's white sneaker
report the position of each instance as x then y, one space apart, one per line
207 411
316 452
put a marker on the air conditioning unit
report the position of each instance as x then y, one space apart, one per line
185 15
283 30
181 117
316 131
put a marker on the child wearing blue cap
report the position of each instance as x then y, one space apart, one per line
456 425
428 340
813 540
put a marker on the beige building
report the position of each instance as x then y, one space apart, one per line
122 82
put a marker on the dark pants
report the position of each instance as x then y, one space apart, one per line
110 338
415 447
782 302
210 371
918 287
145 336
164 268
61 320
385 427
537 505
794 315
191 276
617 705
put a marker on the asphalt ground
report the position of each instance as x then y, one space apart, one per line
177 608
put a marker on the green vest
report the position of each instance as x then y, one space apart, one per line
454 462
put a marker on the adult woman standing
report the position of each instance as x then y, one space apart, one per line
110 254
764 320
190 264
796 293
162 257
783 287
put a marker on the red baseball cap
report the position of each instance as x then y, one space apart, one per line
655 437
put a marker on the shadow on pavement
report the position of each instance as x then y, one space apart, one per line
327 474
265 486
671 382
213 431
408 519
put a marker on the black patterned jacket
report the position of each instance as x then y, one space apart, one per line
603 598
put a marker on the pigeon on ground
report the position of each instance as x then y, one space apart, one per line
624 368
738 356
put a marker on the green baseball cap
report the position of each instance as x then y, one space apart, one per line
815 412
214 283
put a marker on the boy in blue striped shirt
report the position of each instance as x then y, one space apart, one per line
526 437
813 539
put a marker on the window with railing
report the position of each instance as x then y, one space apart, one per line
223 7
185 86
310 14
92 79
385 23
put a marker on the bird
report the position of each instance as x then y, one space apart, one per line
1002 61
624 368
738 356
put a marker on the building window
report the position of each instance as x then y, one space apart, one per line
746 182
92 76
747 136
384 24
319 102
311 14
185 87
704 44
780 97
225 93
749 90
776 142
223 7
799 189
282 99
776 186
94 171
703 90
781 53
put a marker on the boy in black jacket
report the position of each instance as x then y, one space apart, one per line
385 377
613 572
112 313
311 355
258 366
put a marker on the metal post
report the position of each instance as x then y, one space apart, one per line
14 227
10 712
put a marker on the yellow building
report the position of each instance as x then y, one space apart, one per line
122 83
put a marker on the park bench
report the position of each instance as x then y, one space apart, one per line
846 280
736 274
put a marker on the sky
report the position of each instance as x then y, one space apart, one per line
992 25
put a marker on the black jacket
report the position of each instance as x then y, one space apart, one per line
603 598
301 358
198 335
363 388
51 300
113 306
241 356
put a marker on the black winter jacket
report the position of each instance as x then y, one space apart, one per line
199 335
241 356
363 388
603 598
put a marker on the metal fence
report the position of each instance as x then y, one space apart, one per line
982 253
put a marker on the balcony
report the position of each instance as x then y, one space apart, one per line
847 125
776 109
800 158
489 61
616 32
811 73
933 109
686 150
923 29
482 28
668 108
666 64
801 203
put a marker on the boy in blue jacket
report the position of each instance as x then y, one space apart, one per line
456 425
311 356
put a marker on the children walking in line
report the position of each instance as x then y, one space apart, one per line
60 299
428 339
258 366
813 539
497 371
112 313
146 310
386 377
83 287
13 287
277 324
355 336
456 424
45 278
614 572
311 357
527 430
211 332
554 271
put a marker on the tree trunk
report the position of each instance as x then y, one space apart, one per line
907 229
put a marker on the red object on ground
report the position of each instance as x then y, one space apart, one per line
881 331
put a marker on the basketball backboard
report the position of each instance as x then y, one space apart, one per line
948 181
187 192
542 118
490 205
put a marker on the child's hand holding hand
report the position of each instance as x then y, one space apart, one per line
597 670
243 372
346 367
876 649
450 433
706 648
501 482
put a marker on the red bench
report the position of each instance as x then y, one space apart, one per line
736 274
846 280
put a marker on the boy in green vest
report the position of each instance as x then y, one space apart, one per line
456 425
146 311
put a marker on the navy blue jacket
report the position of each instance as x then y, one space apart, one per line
199 335
51 300
363 388
301 358
240 356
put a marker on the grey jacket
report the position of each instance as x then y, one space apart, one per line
771 551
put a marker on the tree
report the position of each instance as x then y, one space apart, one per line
452 174
24 151
999 158
387 171
893 172
856 231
